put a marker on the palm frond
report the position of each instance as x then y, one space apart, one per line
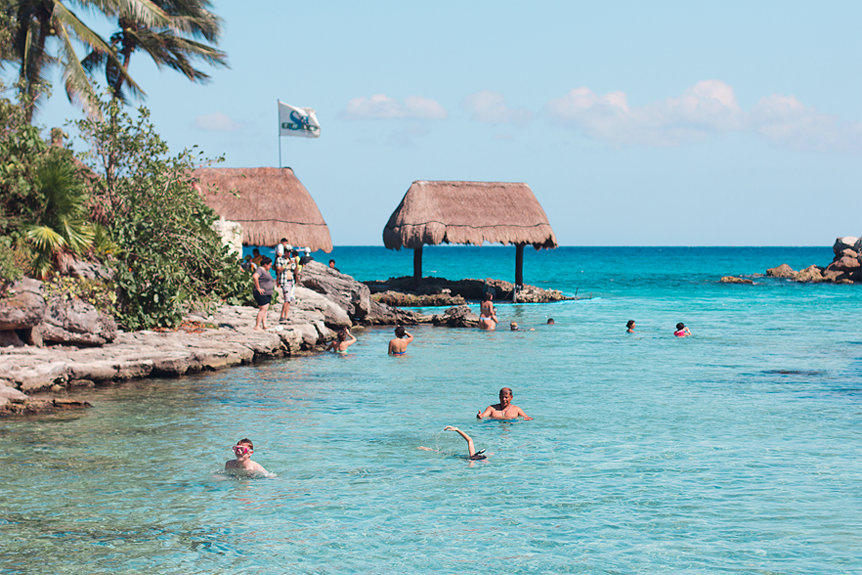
45 239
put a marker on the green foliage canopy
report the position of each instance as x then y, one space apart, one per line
168 255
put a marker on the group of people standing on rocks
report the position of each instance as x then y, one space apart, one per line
288 266
505 410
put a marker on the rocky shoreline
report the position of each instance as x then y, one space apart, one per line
846 267
37 378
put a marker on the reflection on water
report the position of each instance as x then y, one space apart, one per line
736 450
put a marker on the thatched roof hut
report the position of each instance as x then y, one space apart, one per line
272 204
468 213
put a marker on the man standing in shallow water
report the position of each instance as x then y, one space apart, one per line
504 409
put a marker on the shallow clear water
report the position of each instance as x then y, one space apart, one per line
734 451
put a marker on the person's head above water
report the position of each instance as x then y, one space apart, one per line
400 331
550 321
680 325
630 324
506 396
513 326
243 447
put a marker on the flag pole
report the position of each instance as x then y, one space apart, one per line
279 133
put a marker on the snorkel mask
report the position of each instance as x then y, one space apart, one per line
241 450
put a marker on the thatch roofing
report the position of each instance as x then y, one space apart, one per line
468 213
272 204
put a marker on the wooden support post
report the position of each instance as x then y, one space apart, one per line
519 264
417 267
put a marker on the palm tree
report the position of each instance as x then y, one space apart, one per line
37 25
174 43
62 231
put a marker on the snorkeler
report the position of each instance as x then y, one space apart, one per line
344 340
504 409
473 454
398 346
681 330
243 465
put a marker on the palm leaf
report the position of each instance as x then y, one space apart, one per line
45 239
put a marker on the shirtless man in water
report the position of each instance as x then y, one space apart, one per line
487 315
504 409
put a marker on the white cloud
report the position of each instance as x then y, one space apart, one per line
706 108
382 106
490 107
217 122
786 120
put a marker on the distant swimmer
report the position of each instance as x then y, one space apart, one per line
243 465
504 409
681 330
515 327
344 340
550 321
487 315
398 346
631 326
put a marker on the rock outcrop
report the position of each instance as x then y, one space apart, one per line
74 322
735 280
23 306
459 316
352 296
469 289
846 266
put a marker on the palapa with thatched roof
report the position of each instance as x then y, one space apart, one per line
469 213
272 204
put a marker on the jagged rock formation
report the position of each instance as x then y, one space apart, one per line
468 289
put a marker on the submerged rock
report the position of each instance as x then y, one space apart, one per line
735 280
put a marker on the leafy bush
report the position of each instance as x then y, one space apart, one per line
10 272
168 257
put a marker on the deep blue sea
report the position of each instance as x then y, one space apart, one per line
736 450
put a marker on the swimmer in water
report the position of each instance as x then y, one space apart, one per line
243 465
550 321
398 346
471 449
504 409
344 340
515 327
681 330
487 315
631 326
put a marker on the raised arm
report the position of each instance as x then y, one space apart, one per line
348 342
483 414
408 335
470 447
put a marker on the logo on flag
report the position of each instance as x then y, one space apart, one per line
294 121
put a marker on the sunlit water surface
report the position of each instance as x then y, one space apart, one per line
734 451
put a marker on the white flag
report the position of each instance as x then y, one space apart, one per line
297 121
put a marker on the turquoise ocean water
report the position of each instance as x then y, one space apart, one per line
734 451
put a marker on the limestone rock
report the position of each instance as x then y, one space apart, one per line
857 247
735 280
75 322
847 242
23 306
782 271
459 316
12 394
812 274
89 270
333 315
352 296
231 235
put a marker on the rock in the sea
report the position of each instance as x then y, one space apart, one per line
812 274
857 247
74 322
847 242
459 316
735 280
782 271
23 305
844 264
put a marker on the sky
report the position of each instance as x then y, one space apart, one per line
634 123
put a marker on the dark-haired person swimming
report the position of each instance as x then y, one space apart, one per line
681 330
